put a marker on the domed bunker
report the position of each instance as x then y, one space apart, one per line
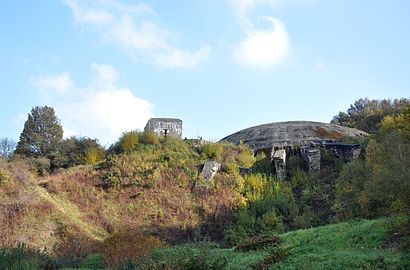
307 138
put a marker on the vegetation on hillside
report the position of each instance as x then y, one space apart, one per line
143 203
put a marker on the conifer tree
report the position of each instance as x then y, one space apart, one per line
41 134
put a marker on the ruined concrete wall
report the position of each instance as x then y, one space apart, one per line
312 158
210 169
164 127
278 158
347 152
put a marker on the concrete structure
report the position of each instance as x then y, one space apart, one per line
210 169
279 160
299 137
292 134
345 151
311 156
164 127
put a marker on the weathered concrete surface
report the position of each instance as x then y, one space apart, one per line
344 151
312 158
279 159
210 169
293 134
164 127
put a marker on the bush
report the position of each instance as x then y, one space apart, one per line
212 151
277 255
4 176
150 137
200 256
93 155
246 157
72 246
258 242
128 245
76 151
136 169
398 233
40 166
93 261
23 258
128 141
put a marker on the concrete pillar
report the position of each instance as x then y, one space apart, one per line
210 169
279 160
311 157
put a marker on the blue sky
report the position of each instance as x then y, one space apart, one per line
106 66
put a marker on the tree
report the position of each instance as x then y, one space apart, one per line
367 115
41 134
7 147
76 151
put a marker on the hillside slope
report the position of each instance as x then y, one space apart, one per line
358 244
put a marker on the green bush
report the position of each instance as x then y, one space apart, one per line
258 242
128 141
263 165
150 138
246 157
93 261
398 232
200 256
23 258
213 151
276 255
40 165
76 151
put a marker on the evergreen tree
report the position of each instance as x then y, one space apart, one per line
41 134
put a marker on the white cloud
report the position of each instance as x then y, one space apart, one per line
124 26
88 15
59 83
101 110
264 47
241 7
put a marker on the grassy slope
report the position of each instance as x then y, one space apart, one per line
33 208
353 245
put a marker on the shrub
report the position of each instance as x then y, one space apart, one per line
200 256
150 137
93 261
40 166
93 155
4 176
76 151
277 255
246 158
235 234
212 151
23 258
263 164
128 245
72 246
258 242
129 141
398 233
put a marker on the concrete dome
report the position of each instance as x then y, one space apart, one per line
291 134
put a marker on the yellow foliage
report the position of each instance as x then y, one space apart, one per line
92 156
129 141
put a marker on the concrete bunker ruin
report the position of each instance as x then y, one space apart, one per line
165 127
284 139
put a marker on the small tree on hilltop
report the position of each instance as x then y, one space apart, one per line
41 134
7 147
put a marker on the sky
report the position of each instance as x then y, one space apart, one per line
107 66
